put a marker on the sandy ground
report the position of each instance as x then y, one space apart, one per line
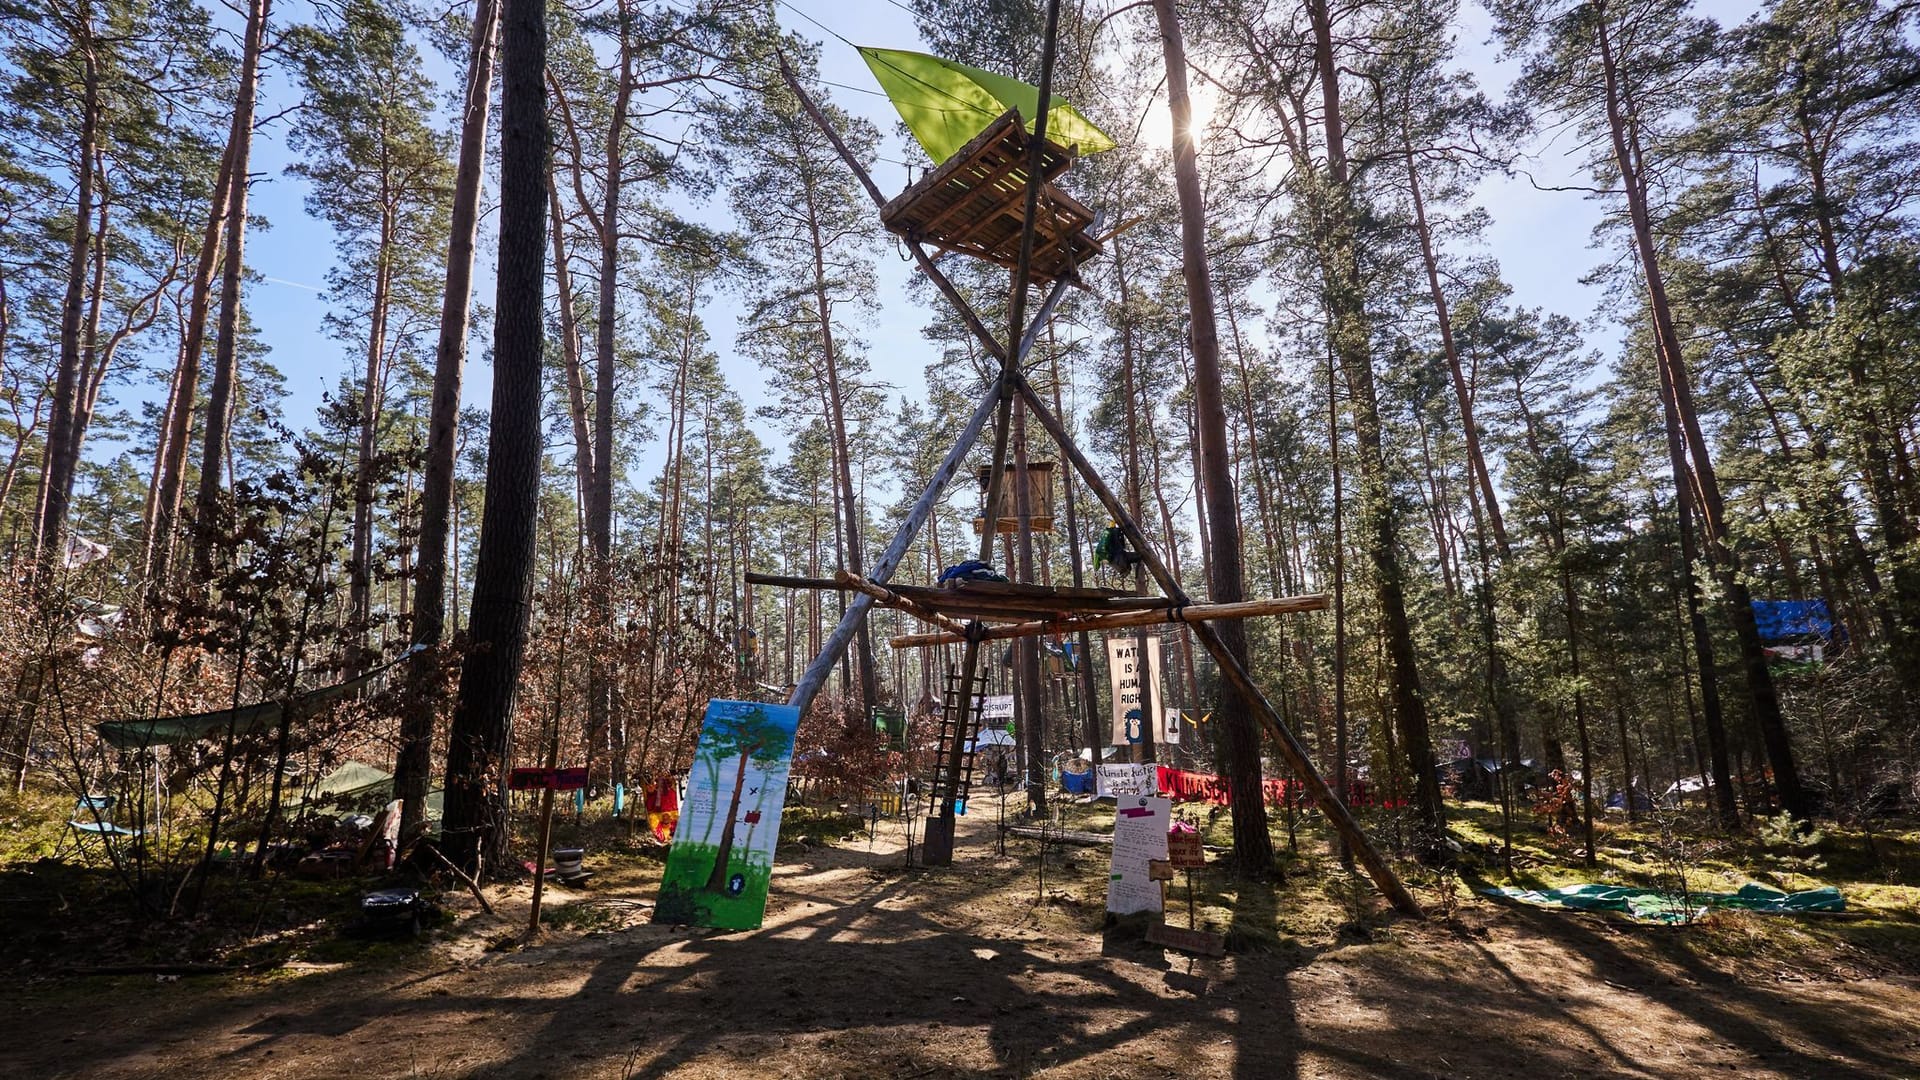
866 969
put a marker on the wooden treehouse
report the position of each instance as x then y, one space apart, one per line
1006 513
975 203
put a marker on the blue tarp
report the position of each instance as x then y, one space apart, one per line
1792 620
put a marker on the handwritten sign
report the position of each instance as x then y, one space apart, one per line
1139 839
1123 780
542 779
1185 851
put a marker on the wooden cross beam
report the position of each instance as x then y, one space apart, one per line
1194 613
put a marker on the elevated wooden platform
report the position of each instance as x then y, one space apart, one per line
1010 610
975 203
1005 601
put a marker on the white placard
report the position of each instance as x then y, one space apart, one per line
1139 835
996 707
1119 780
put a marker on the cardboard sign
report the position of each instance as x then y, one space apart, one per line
722 858
542 779
1184 850
1124 671
1139 839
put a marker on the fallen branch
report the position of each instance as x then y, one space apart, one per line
472 885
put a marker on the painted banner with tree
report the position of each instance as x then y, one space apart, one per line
717 873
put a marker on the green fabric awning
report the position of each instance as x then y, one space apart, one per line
192 727
945 104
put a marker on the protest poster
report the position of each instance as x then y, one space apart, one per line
1139 838
1123 673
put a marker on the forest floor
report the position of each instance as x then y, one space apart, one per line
866 968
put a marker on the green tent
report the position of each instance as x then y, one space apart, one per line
945 104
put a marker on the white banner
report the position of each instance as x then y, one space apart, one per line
1123 671
996 707
1120 780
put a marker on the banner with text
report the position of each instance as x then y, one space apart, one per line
1123 671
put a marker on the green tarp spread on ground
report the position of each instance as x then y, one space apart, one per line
1654 905
945 104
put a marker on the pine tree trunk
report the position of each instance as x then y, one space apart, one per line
1678 389
1349 332
178 429
226 354
482 735
1252 844
599 496
360 567
413 766
56 478
843 469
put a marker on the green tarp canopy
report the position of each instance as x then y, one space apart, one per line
1655 905
245 720
351 781
945 104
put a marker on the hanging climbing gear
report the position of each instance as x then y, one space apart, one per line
1112 549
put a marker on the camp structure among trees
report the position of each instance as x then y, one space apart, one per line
1447 471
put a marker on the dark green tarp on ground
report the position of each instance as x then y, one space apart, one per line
1655 905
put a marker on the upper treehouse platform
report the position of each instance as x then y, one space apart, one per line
974 203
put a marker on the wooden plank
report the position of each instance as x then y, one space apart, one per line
1200 942
783 581
1062 836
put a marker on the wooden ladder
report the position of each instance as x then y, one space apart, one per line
959 721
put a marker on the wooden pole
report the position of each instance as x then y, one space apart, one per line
546 831
1172 613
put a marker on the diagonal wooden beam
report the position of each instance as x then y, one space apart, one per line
1290 747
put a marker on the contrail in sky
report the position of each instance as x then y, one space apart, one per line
295 284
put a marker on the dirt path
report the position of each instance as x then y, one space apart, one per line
865 969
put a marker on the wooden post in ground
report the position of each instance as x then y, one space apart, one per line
546 831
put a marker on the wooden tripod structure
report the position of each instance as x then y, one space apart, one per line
997 402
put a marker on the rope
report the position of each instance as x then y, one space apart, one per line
969 108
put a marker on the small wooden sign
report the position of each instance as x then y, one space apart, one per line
1159 870
1203 942
1185 851
542 779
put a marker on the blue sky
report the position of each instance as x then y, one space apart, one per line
1542 238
